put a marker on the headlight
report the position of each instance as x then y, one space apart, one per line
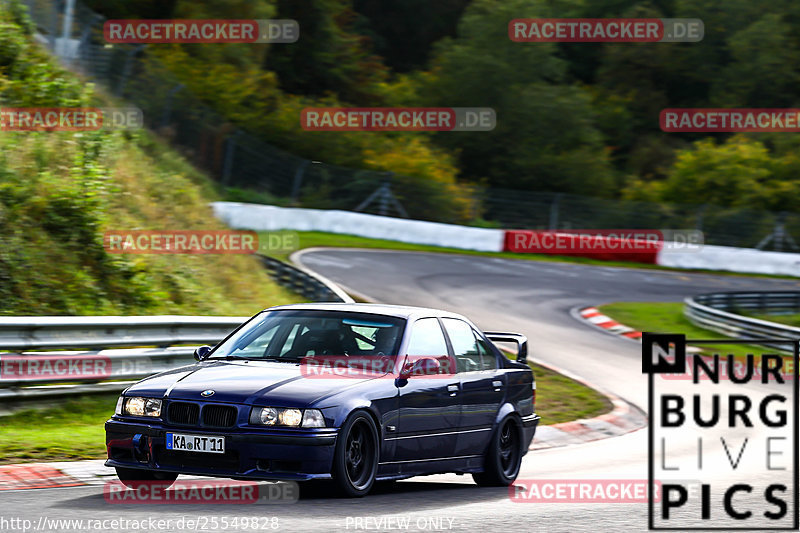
142 407
268 416
290 417
312 418
275 416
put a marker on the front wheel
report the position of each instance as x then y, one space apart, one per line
504 457
355 461
134 478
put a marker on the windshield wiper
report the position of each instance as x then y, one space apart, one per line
243 358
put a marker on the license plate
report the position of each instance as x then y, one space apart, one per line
195 443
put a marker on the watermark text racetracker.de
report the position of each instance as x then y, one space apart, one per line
70 118
611 241
60 367
607 30
198 242
151 523
205 492
201 31
581 491
723 120
398 119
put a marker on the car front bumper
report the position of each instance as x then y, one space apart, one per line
269 454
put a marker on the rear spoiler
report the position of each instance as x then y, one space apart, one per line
520 340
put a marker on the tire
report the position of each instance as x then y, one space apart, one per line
355 458
504 456
133 477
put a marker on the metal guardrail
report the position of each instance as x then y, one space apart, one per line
304 282
95 354
54 356
28 333
720 312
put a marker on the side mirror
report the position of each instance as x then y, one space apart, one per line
520 340
201 352
426 366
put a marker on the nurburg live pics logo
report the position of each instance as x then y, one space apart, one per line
737 433
740 431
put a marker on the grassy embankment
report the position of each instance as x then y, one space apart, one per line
59 192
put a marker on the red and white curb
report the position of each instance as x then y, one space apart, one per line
623 418
36 476
59 474
607 324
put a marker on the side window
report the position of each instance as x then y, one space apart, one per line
427 338
488 358
465 346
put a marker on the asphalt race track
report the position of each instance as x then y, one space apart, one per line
534 298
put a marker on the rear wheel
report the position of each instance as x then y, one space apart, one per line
133 477
504 457
355 460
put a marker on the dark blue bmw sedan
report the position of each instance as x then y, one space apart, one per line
353 392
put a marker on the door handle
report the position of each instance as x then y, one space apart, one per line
497 385
453 389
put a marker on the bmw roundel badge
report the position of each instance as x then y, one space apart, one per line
207 393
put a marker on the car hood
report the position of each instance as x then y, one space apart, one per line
245 382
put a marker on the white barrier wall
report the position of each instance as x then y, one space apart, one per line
745 260
271 218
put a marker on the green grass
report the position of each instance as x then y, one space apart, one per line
75 430
667 317
72 431
560 399
311 239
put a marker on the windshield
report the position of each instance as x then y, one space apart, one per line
292 335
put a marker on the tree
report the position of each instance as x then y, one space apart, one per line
763 69
329 57
545 136
741 172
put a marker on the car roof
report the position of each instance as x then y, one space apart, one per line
399 311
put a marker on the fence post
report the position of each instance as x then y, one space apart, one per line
554 212
385 198
66 32
701 213
127 68
298 178
230 148
53 26
168 105
779 236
